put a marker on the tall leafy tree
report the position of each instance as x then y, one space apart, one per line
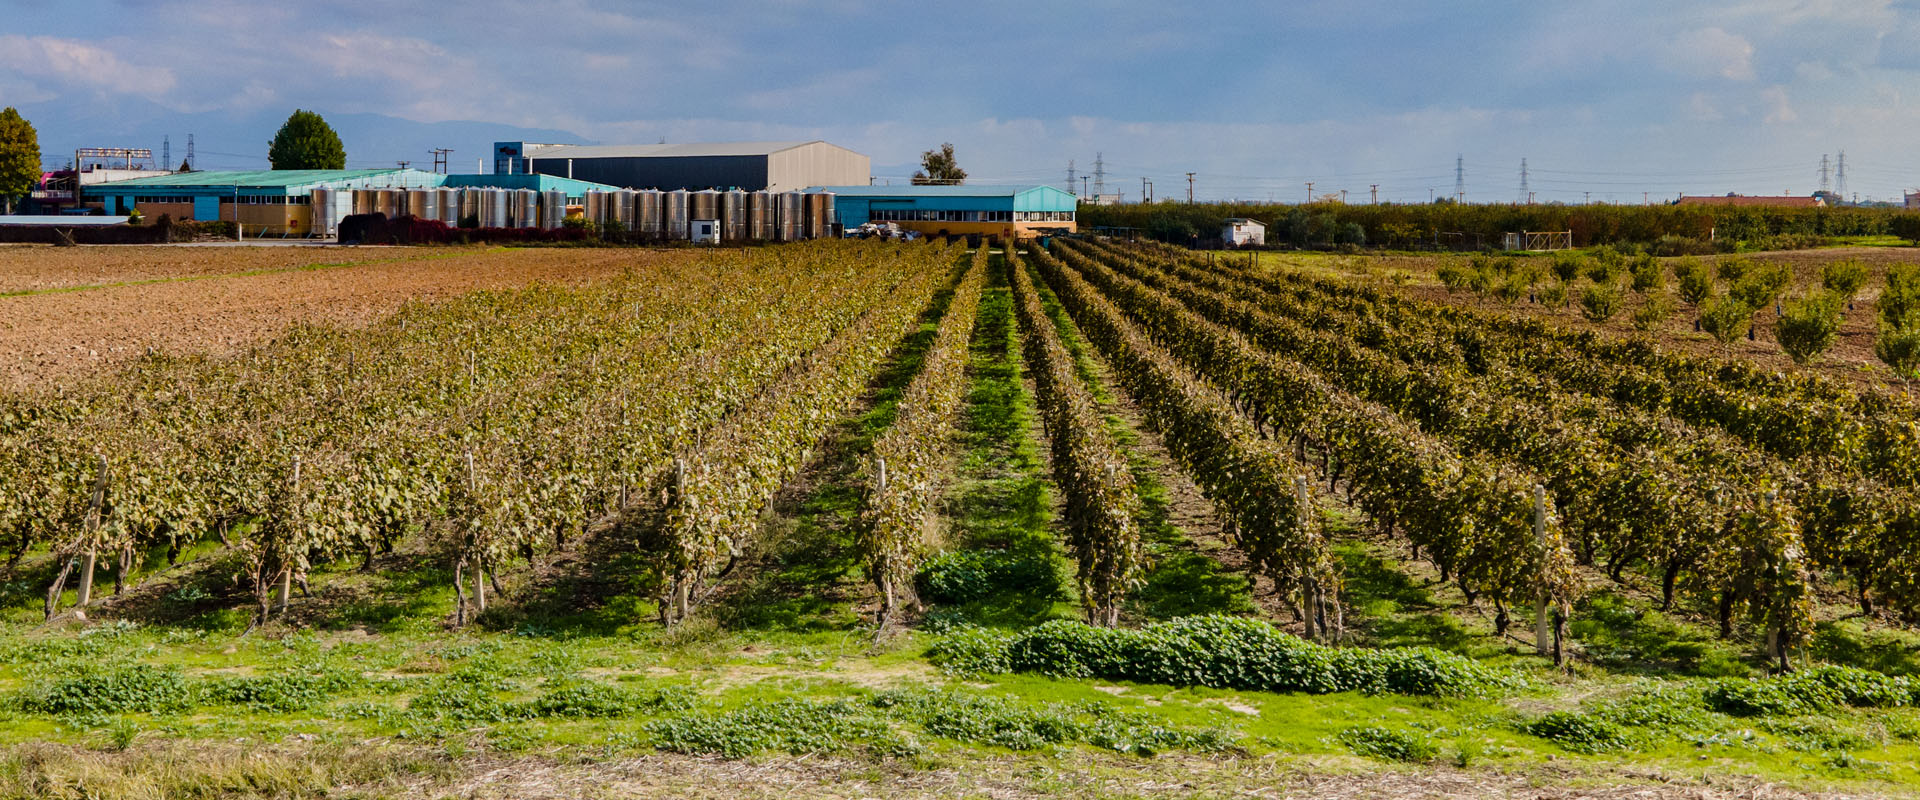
938 167
19 156
306 141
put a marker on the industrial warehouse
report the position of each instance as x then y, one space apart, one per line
699 193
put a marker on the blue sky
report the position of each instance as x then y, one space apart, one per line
1615 99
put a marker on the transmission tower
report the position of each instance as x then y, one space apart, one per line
1459 179
1826 175
1526 195
1840 178
1099 174
166 152
190 164
1070 176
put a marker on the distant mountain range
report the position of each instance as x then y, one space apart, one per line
229 140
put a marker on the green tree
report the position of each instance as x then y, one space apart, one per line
1899 348
938 167
1809 326
1653 312
1905 226
1899 304
1600 302
1726 318
19 156
1696 281
1647 276
1844 278
306 141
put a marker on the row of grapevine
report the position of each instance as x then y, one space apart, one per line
499 423
1794 415
1639 485
721 486
906 469
1258 487
1476 519
1102 506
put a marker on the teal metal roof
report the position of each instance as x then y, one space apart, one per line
261 178
963 190
534 181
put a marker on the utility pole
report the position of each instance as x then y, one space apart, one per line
440 159
1429 195
1343 197
403 164
1083 186
1586 198
1374 191
1146 191
1309 192
1643 197
1189 188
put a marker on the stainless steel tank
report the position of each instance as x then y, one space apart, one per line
449 201
792 217
673 215
594 206
320 210
646 213
816 216
420 204
703 204
553 208
760 216
497 201
526 206
385 202
733 216
362 201
623 209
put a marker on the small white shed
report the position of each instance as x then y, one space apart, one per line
704 231
1240 232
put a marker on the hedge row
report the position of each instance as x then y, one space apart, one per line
1219 652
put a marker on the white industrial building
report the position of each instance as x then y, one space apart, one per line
1243 232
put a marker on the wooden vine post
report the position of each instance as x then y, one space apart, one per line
1310 589
91 528
286 553
886 582
1542 624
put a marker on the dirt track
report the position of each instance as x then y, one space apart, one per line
65 335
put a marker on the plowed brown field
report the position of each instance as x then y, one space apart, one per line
216 300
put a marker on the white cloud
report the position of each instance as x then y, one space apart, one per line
1779 110
1702 108
77 63
1711 52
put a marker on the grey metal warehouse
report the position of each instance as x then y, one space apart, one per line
753 166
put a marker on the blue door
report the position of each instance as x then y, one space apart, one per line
206 209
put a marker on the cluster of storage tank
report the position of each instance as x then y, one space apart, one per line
740 215
649 213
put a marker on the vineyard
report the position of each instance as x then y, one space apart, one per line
925 519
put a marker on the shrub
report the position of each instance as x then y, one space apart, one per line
1580 733
972 650
1899 349
594 700
1733 269
1647 275
1568 265
1726 318
1456 276
1696 281
1026 726
1762 285
793 726
113 690
1226 653
1554 294
287 691
967 575
1653 312
1899 303
1745 698
1387 744
1808 327
1600 302
1844 278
